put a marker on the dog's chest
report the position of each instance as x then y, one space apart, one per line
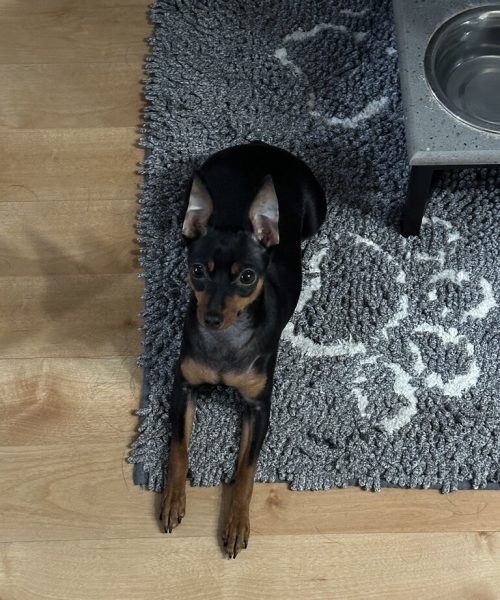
224 348
249 382
225 357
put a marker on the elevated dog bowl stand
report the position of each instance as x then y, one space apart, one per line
436 139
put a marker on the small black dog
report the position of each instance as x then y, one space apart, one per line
248 208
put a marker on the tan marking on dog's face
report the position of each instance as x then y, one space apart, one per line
235 268
202 299
210 265
196 373
235 304
249 383
201 305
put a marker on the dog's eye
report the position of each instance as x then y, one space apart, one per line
197 271
247 277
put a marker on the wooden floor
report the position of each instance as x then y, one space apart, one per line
72 525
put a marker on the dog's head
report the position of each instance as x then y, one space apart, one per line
227 267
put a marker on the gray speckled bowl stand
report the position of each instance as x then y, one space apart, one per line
435 139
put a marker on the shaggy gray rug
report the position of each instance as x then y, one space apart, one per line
389 370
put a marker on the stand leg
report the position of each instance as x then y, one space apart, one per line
416 201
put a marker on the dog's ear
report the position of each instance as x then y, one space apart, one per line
264 214
199 210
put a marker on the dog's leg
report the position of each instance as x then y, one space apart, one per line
182 410
253 431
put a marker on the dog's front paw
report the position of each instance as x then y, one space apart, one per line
236 533
173 507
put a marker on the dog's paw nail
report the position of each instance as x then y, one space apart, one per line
179 519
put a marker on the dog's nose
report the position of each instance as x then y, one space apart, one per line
213 319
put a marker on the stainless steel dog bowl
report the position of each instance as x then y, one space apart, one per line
462 66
